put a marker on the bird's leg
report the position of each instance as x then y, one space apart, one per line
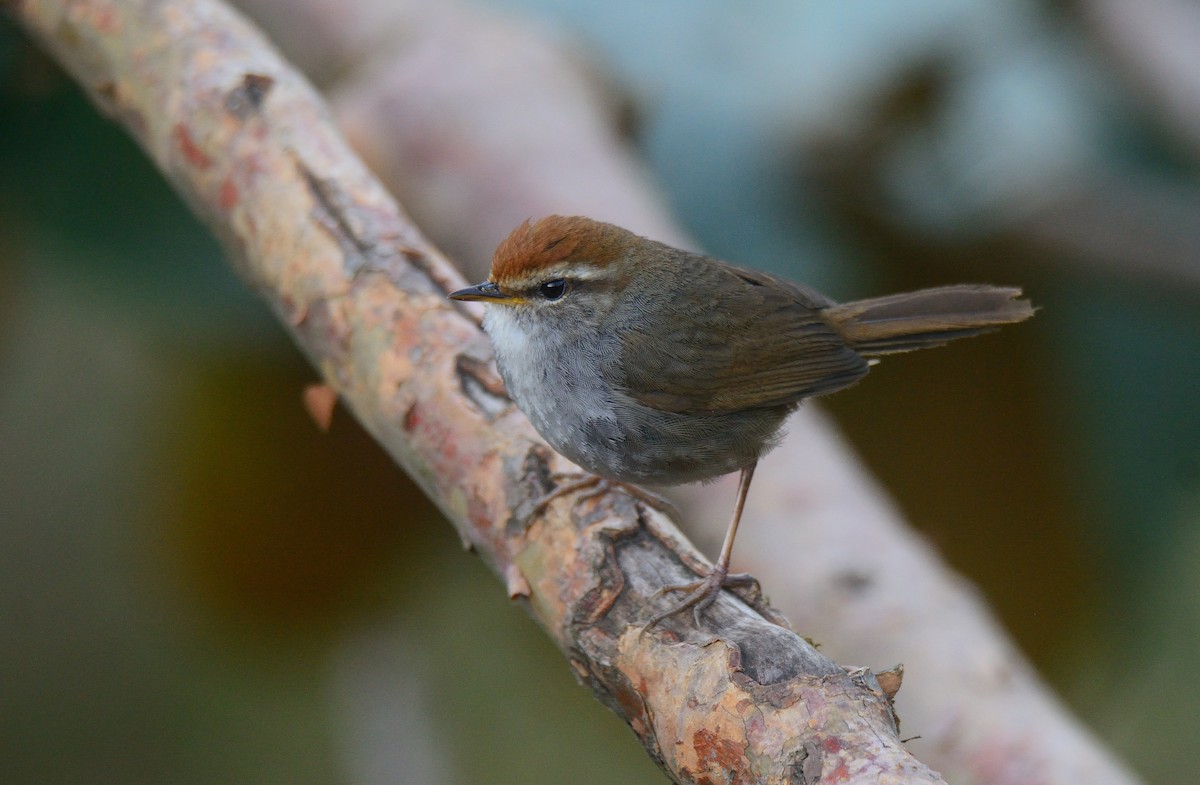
597 486
704 592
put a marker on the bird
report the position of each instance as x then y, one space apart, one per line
648 364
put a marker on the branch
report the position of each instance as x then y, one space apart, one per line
249 145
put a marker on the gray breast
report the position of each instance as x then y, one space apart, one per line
569 386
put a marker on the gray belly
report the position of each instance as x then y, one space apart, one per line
647 446
615 437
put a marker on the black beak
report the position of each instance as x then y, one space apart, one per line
484 291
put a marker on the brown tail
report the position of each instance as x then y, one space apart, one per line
930 317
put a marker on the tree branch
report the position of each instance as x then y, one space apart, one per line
249 145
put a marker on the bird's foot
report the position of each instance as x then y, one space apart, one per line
701 593
595 486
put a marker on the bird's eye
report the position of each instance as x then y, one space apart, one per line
553 289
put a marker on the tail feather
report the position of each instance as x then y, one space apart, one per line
930 317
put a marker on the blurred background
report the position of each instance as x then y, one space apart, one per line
196 585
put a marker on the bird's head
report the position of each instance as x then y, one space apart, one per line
556 260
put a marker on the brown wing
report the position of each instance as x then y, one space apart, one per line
705 362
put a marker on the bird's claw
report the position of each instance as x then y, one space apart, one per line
700 594
594 487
